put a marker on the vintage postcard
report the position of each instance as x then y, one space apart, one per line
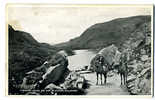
93 50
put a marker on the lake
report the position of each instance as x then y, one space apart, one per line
80 59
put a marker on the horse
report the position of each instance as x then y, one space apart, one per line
102 68
122 70
104 61
122 67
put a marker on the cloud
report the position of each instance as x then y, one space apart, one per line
58 24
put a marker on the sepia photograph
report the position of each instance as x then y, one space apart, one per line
94 50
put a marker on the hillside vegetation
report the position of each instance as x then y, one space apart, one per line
103 34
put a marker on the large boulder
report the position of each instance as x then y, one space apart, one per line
57 70
110 54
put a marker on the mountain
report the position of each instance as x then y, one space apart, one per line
25 53
103 34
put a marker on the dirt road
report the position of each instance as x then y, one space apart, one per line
112 87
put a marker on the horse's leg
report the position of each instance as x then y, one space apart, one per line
105 78
101 78
121 78
126 74
124 77
97 78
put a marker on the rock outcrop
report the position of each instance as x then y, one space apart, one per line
53 76
139 66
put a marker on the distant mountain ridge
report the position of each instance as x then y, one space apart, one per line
103 34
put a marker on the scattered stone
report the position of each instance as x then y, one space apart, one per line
144 72
131 78
110 74
144 58
52 86
26 85
130 86
74 80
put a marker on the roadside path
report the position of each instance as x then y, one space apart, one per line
112 87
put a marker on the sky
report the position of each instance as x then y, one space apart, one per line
60 23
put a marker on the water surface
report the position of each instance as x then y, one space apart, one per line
80 59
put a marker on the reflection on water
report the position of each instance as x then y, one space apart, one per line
80 59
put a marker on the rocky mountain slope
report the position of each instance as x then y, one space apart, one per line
25 53
103 34
139 66
26 57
